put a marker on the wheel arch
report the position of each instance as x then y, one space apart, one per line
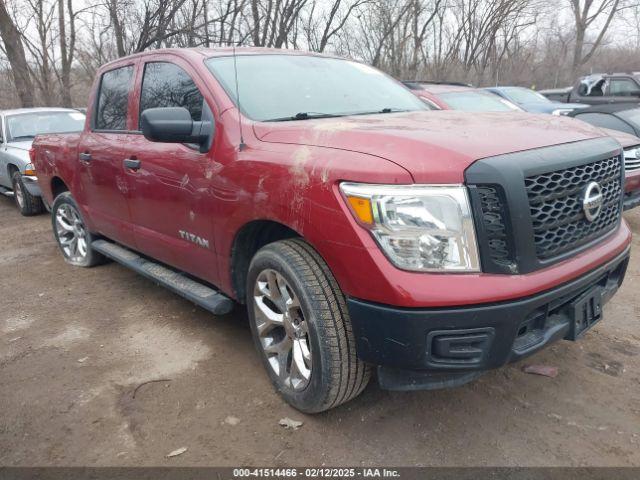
11 169
250 238
58 186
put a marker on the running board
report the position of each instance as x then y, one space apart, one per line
200 294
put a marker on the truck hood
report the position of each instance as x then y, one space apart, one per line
434 146
25 145
625 139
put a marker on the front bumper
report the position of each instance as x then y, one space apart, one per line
31 184
631 200
631 197
432 348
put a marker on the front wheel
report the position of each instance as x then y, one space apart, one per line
302 329
71 233
27 204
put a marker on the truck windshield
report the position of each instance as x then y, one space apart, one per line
302 87
25 126
474 101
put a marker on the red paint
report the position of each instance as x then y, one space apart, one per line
289 173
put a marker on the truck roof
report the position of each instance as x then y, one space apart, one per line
202 52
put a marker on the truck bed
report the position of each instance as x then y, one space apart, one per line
55 156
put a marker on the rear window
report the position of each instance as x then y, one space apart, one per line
477 102
113 99
25 126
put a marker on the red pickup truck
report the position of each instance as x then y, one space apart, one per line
361 230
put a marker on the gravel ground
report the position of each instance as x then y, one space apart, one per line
101 367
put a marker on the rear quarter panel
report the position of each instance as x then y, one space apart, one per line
55 157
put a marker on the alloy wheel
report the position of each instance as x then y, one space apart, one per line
72 234
282 329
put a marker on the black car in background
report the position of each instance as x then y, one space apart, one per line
599 89
624 117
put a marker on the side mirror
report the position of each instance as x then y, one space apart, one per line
174 125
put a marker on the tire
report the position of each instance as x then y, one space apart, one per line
71 233
26 203
321 369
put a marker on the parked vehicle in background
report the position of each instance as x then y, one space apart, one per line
532 101
460 97
598 89
360 229
623 118
557 94
631 146
17 131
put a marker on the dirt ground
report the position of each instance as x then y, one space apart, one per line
77 346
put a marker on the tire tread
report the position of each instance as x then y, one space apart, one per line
349 375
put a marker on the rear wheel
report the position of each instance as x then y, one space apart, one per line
302 329
27 204
71 233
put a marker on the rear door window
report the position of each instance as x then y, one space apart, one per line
167 85
624 87
113 99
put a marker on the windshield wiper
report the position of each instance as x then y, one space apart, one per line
312 115
384 110
305 116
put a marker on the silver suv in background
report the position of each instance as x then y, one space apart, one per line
18 128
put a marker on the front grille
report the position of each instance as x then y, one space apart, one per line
494 221
555 201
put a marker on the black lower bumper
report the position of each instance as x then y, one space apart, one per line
631 200
435 348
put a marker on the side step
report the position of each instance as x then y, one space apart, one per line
202 295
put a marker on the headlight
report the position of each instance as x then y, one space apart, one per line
561 111
632 153
419 227
632 159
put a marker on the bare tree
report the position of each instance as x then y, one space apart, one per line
14 50
67 48
41 46
321 26
57 45
272 21
587 14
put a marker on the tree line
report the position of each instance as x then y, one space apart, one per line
50 49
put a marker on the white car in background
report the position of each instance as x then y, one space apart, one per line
18 128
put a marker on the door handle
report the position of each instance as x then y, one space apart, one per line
132 163
85 157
